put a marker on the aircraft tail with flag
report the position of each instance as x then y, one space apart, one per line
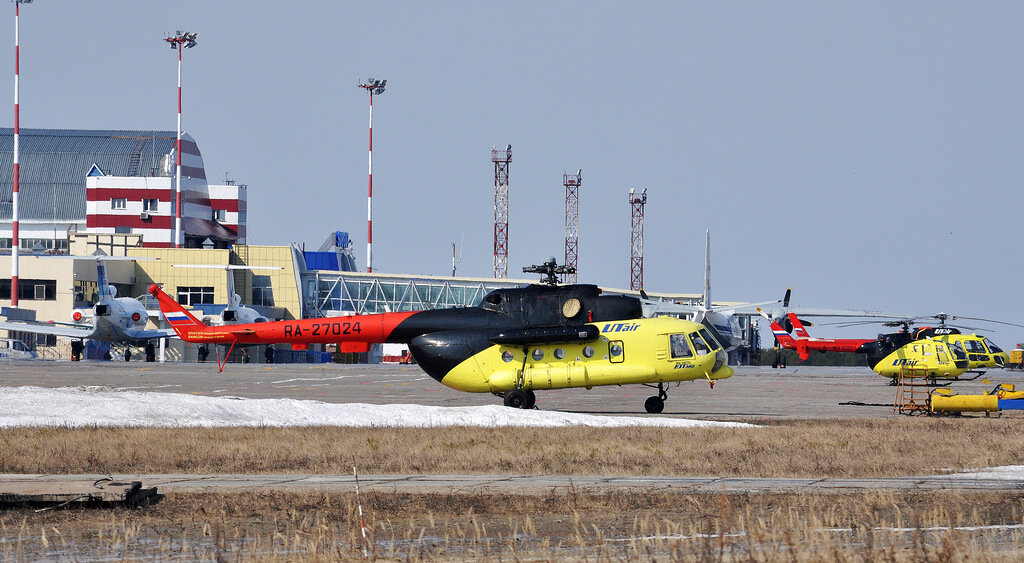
798 326
787 341
176 315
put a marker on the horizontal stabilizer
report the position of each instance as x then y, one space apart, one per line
150 334
48 328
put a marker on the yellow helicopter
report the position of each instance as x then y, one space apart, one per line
889 355
518 340
651 352
981 352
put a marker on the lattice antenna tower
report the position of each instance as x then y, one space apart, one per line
637 201
572 222
501 159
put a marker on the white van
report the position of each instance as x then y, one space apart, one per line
16 349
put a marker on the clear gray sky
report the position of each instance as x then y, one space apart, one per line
866 153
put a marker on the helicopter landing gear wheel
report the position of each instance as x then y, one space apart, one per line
654 405
518 399
531 399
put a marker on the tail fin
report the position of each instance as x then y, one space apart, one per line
102 281
787 341
798 326
707 270
782 336
176 315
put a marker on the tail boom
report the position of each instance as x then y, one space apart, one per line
354 329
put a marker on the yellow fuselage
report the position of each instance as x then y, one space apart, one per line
981 354
626 352
921 358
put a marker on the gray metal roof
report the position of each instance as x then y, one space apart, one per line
54 164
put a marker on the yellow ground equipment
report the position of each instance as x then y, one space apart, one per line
1003 397
1016 358
912 391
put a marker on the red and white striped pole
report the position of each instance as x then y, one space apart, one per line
373 87
183 40
369 197
14 191
177 172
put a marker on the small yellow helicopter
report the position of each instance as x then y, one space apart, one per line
889 355
981 352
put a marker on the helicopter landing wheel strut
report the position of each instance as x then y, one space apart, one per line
656 404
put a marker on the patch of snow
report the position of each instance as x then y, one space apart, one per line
98 406
1008 472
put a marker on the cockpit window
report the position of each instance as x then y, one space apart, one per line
699 344
992 346
974 346
493 298
680 347
957 351
709 339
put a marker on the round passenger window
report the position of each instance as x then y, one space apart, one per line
559 353
507 355
615 349
538 354
588 351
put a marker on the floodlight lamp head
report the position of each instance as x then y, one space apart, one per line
22 1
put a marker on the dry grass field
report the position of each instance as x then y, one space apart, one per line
617 526
573 525
833 448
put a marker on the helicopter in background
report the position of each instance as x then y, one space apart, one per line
981 352
889 355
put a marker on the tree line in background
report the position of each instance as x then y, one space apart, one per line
791 358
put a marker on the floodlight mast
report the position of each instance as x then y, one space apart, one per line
181 40
14 190
373 87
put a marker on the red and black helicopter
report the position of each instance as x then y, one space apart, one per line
542 336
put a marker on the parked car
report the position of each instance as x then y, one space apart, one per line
13 348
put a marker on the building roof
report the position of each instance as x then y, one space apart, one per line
54 164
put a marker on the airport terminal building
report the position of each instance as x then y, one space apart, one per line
113 182
112 192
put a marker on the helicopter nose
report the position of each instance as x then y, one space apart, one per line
444 355
438 353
